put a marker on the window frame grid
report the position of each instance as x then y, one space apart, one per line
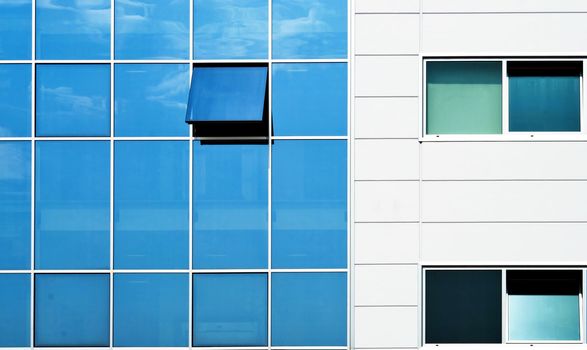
506 134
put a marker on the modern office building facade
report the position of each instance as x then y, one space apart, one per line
365 174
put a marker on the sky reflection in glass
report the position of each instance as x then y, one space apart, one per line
15 100
15 29
15 303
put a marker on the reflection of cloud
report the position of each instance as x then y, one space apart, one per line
170 92
13 161
86 16
75 104
311 23
15 2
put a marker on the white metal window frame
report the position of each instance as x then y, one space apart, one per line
191 271
510 344
506 134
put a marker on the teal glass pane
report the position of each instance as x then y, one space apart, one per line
550 103
463 98
543 317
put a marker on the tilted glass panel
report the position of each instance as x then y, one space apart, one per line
309 309
151 309
152 29
15 99
227 93
463 306
230 309
151 99
230 206
309 29
463 97
73 30
230 29
72 208
310 99
73 100
15 205
15 303
309 209
151 201
15 29
72 310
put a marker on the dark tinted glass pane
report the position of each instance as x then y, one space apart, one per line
151 99
152 29
73 100
15 303
151 199
15 99
309 182
15 205
15 30
463 306
151 309
72 310
230 310
73 30
309 309
227 94
230 206
230 29
72 215
310 99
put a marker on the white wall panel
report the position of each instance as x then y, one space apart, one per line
387 160
384 117
470 201
478 243
505 33
387 6
386 76
380 327
503 160
387 34
504 5
386 285
386 201
380 243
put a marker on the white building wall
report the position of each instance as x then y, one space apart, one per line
452 203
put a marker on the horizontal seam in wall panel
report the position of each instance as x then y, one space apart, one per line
386 138
389 96
505 180
387 222
388 264
388 13
387 54
507 222
393 180
387 306
387 347
503 12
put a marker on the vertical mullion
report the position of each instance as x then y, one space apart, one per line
505 118
112 77
269 168
583 117
350 175
33 167
504 307
191 57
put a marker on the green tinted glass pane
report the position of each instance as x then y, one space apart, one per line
543 317
463 98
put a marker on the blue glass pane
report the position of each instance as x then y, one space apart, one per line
309 212
152 29
230 310
72 215
227 94
230 29
230 206
310 29
15 100
15 303
151 201
310 99
151 309
151 99
73 100
544 103
73 30
15 29
15 205
72 310
544 317
309 309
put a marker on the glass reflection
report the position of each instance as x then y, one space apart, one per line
152 29
73 100
309 29
151 199
230 29
151 99
15 100
72 215
73 29
15 29
15 205
15 303
310 99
